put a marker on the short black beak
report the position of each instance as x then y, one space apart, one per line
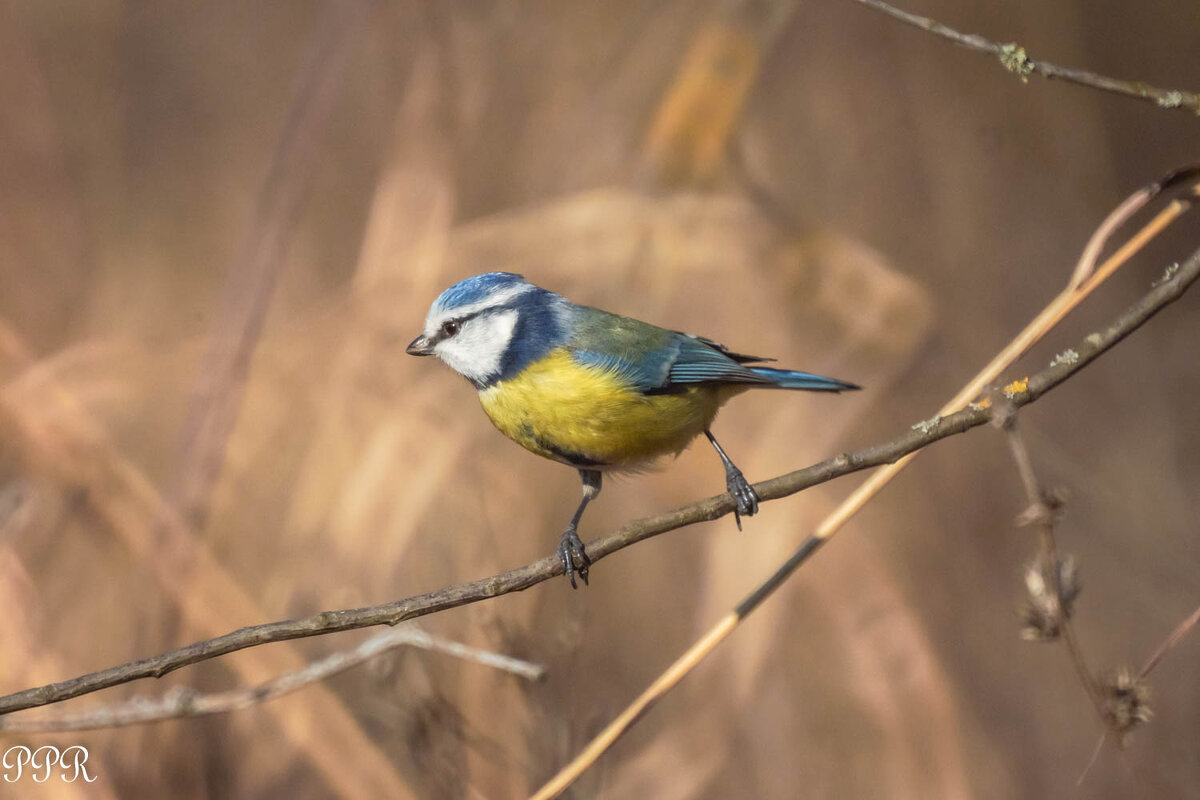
419 346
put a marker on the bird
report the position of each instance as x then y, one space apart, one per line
594 390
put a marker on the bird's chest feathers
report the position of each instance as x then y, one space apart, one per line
589 417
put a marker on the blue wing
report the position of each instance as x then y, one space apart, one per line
655 360
646 371
704 361
652 359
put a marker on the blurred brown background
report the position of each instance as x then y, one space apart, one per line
221 222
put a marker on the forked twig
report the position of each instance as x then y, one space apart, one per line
1174 638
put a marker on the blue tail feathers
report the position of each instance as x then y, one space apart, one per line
791 379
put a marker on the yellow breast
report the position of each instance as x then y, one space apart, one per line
589 417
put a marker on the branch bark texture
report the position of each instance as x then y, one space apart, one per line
1164 292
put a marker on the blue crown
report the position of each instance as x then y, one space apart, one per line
476 288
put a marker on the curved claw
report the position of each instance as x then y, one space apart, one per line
743 494
573 556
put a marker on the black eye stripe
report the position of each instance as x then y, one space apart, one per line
443 334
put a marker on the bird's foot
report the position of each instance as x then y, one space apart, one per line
743 494
573 557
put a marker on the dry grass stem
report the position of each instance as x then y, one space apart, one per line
222 377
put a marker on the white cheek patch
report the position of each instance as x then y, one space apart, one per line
478 349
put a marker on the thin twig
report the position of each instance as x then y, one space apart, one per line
1181 630
1175 637
1095 755
1015 60
183 702
1059 596
1071 296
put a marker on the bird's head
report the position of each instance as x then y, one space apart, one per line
490 326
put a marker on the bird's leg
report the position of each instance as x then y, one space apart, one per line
570 548
737 486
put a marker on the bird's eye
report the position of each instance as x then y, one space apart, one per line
449 328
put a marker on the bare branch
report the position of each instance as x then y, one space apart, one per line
1015 60
543 569
183 702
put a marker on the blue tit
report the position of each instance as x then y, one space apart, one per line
589 389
